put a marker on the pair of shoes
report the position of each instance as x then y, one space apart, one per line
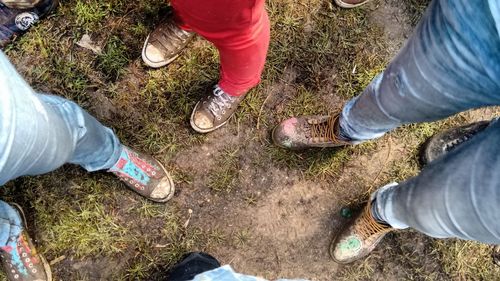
162 47
14 21
362 234
20 259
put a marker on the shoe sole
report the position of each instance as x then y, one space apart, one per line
172 187
204 131
45 264
155 64
342 4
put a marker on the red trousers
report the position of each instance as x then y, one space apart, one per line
239 29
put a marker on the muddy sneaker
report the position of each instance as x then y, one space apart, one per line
350 3
165 43
214 110
20 259
144 175
19 16
446 141
309 131
358 238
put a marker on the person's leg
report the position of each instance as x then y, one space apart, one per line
457 195
39 133
240 30
450 64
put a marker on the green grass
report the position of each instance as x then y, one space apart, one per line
465 260
114 59
224 177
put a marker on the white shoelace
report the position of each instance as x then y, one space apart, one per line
220 102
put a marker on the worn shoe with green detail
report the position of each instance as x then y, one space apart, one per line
358 238
309 131
144 175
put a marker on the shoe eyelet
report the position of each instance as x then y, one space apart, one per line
142 187
153 173
223 112
34 270
24 255
218 118
27 260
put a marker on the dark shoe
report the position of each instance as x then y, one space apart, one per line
144 175
350 3
358 238
214 110
20 259
15 21
309 131
192 265
446 141
165 43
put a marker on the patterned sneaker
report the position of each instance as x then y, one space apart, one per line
309 131
165 43
350 3
358 238
19 16
214 110
446 141
20 259
144 175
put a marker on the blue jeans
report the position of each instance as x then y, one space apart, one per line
39 133
449 65
226 273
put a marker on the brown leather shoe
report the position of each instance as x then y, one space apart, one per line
309 131
214 110
358 238
165 43
144 175
350 3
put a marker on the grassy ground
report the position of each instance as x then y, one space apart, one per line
92 228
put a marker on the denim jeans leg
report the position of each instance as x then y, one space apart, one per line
450 64
457 195
39 133
11 224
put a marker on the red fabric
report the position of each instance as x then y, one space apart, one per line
239 29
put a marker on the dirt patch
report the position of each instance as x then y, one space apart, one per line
391 16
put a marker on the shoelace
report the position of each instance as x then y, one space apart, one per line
178 35
324 131
367 226
219 103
